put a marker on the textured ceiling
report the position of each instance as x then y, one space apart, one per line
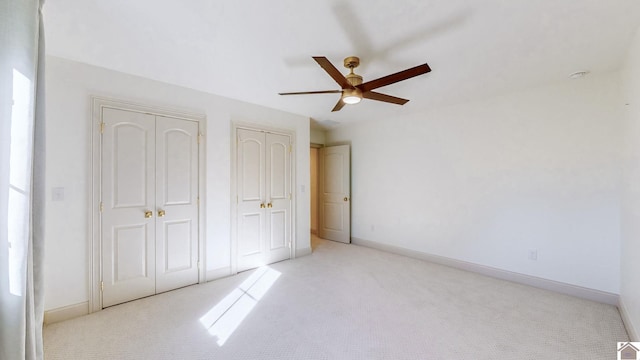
251 50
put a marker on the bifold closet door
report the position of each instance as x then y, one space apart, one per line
150 205
264 198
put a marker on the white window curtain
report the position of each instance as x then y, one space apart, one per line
21 178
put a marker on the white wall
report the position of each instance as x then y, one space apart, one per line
630 254
69 87
487 181
317 136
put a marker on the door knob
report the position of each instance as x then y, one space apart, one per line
160 213
346 198
262 206
148 213
269 205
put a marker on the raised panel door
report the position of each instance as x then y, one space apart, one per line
176 203
335 212
251 199
128 191
278 184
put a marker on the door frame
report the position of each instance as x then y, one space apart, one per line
317 172
235 126
95 241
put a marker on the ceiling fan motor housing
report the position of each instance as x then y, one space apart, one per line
352 96
354 79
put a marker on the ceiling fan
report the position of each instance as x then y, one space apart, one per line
353 89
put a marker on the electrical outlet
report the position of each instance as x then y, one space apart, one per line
533 254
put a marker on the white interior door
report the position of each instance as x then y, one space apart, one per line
251 169
149 216
128 191
278 185
335 194
264 198
176 203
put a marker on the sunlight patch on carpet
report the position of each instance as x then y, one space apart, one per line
225 317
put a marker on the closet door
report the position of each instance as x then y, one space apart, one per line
128 205
149 217
264 198
251 199
176 203
278 211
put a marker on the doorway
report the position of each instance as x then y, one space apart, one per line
313 164
331 192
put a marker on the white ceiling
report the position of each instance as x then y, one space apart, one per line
251 50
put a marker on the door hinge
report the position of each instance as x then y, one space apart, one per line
290 196
199 138
198 200
102 128
101 206
102 286
290 148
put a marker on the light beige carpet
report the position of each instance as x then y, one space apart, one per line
346 302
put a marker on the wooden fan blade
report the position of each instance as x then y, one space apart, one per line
312 92
333 72
394 78
372 95
339 105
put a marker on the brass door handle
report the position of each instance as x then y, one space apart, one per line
269 205
148 213
346 198
161 213
262 206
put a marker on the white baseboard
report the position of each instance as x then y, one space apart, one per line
218 273
624 314
303 252
66 313
563 288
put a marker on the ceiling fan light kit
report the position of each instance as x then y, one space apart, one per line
352 87
351 96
